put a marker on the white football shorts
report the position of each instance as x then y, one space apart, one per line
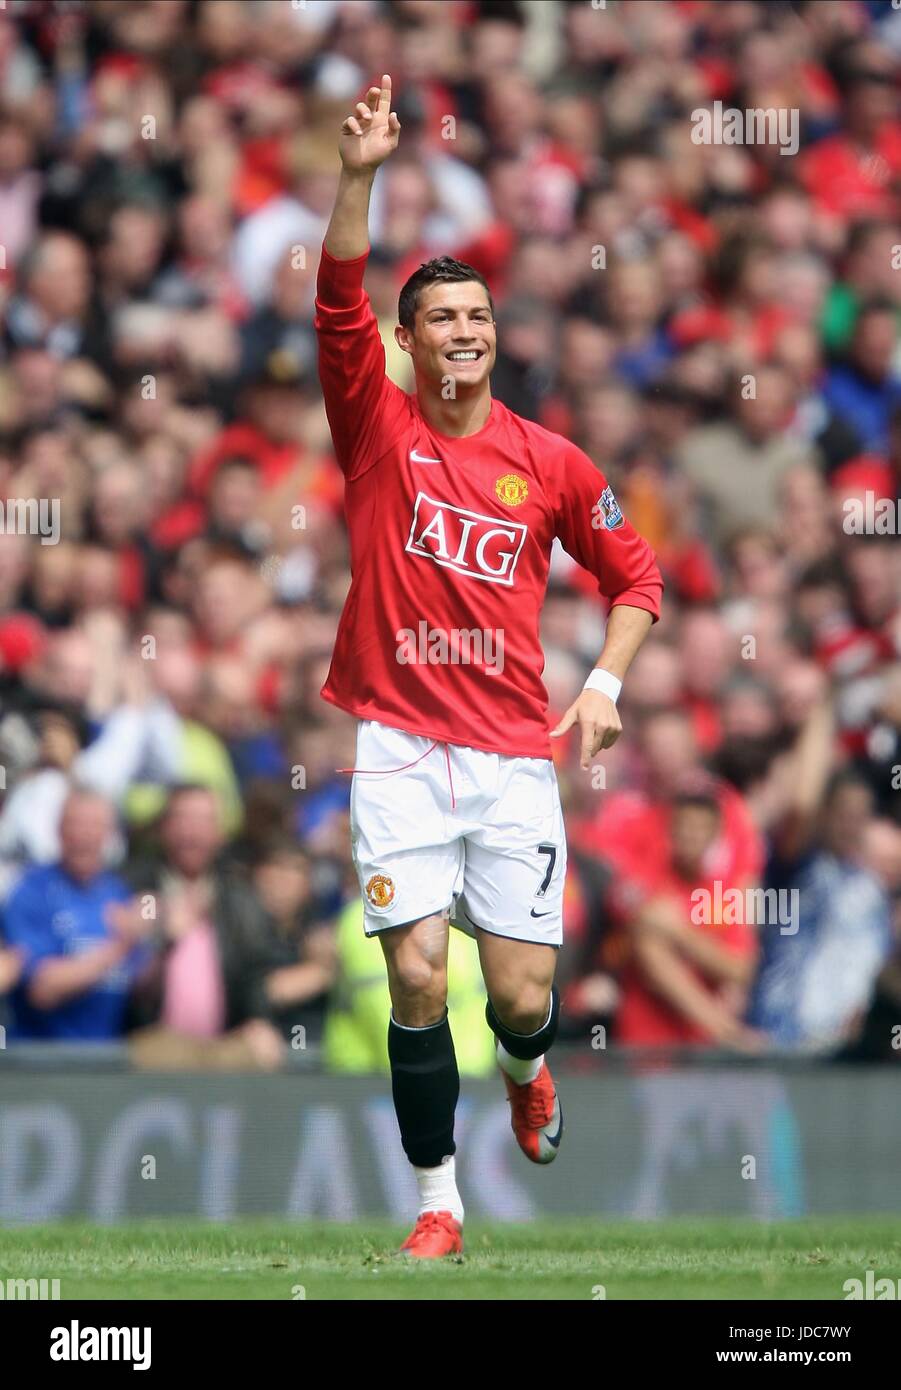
436 825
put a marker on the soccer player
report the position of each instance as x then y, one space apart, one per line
453 503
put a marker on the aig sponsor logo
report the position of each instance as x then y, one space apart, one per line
480 547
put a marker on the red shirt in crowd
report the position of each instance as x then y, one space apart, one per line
632 833
843 177
643 1018
452 535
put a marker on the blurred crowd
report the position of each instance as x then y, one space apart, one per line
716 325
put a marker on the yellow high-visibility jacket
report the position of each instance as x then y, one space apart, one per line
356 1029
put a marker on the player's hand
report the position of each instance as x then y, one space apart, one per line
597 718
372 133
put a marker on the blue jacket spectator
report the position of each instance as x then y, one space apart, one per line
819 964
865 390
814 982
78 935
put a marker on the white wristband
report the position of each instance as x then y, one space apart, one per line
604 682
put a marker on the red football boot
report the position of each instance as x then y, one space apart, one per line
536 1116
435 1234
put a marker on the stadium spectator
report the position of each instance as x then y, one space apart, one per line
218 941
864 390
79 932
867 274
737 465
281 326
851 172
51 309
817 977
690 962
298 990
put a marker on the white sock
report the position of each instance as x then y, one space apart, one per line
519 1071
438 1189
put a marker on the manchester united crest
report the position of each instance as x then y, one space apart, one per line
380 891
512 489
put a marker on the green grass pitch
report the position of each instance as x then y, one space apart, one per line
678 1259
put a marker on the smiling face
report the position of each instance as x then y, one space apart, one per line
453 335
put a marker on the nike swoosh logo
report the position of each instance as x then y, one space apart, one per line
417 457
540 914
554 1140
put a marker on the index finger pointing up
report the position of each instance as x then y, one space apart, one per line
385 93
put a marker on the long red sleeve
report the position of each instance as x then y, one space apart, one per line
365 410
596 534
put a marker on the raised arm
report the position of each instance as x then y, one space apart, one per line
367 139
365 410
812 764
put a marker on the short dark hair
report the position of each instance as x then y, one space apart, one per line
698 788
180 789
235 462
845 779
697 801
279 845
442 269
877 304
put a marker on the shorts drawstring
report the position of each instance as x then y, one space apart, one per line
450 779
390 771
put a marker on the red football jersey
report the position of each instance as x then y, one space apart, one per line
450 546
643 1018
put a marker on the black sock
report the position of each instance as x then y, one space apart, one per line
526 1046
425 1084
